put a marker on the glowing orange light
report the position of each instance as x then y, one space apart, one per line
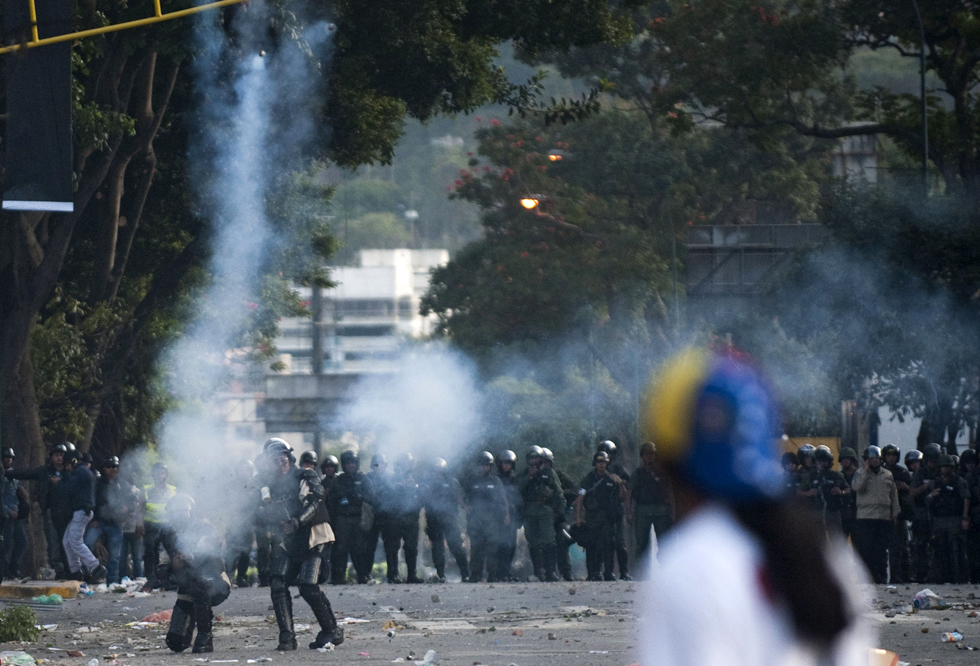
529 202
554 157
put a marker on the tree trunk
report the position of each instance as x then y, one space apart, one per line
21 429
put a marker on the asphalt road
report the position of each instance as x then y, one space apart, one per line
527 624
579 624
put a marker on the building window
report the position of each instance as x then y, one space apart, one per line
364 331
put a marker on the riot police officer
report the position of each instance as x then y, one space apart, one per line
899 550
826 489
299 525
923 479
848 510
542 501
650 502
308 460
949 506
201 579
486 513
622 555
345 505
328 477
562 538
507 473
600 506
403 521
376 514
442 498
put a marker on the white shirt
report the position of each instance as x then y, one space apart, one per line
706 603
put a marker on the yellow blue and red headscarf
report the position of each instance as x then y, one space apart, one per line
715 422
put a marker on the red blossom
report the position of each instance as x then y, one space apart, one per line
494 122
525 254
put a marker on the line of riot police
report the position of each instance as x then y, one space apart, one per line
917 522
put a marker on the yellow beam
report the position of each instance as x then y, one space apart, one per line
112 28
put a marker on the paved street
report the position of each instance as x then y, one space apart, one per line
493 625
579 624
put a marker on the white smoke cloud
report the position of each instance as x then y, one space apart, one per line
432 407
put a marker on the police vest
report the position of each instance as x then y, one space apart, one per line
156 506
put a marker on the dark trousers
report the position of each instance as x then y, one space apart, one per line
648 516
947 540
369 544
507 547
871 538
402 531
600 547
900 553
921 538
484 537
132 547
14 545
238 553
347 532
152 540
54 533
263 555
443 530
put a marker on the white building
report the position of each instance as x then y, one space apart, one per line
363 321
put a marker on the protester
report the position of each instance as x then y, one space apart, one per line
746 569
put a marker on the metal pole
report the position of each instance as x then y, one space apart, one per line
922 96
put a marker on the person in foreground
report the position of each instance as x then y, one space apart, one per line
746 577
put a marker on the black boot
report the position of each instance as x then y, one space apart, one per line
464 570
282 603
329 631
204 641
538 558
181 628
624 564
550 562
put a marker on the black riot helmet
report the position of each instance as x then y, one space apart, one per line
308 458
275 441
872 452
484 458
110 462
349 456
891 448
507 456
534 452
969 456
329 461
69 446
806 451
932 452
913 456
277 447
59 448
608 446
8 453
823 454
548 455
789 458
600 456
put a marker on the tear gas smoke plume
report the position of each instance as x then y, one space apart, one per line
254 121
431 408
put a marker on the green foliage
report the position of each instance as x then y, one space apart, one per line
18 623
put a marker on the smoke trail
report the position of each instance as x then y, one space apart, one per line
255 107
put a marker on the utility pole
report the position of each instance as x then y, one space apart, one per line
922 99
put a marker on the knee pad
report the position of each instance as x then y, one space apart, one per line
277 586
309 591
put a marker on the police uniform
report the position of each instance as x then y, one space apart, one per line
542 500
441 498
299 525
507 545
486 510
603 511
652 502
403 526
922 522
946 509
201 584
346 506
562 538
899 550
827 505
